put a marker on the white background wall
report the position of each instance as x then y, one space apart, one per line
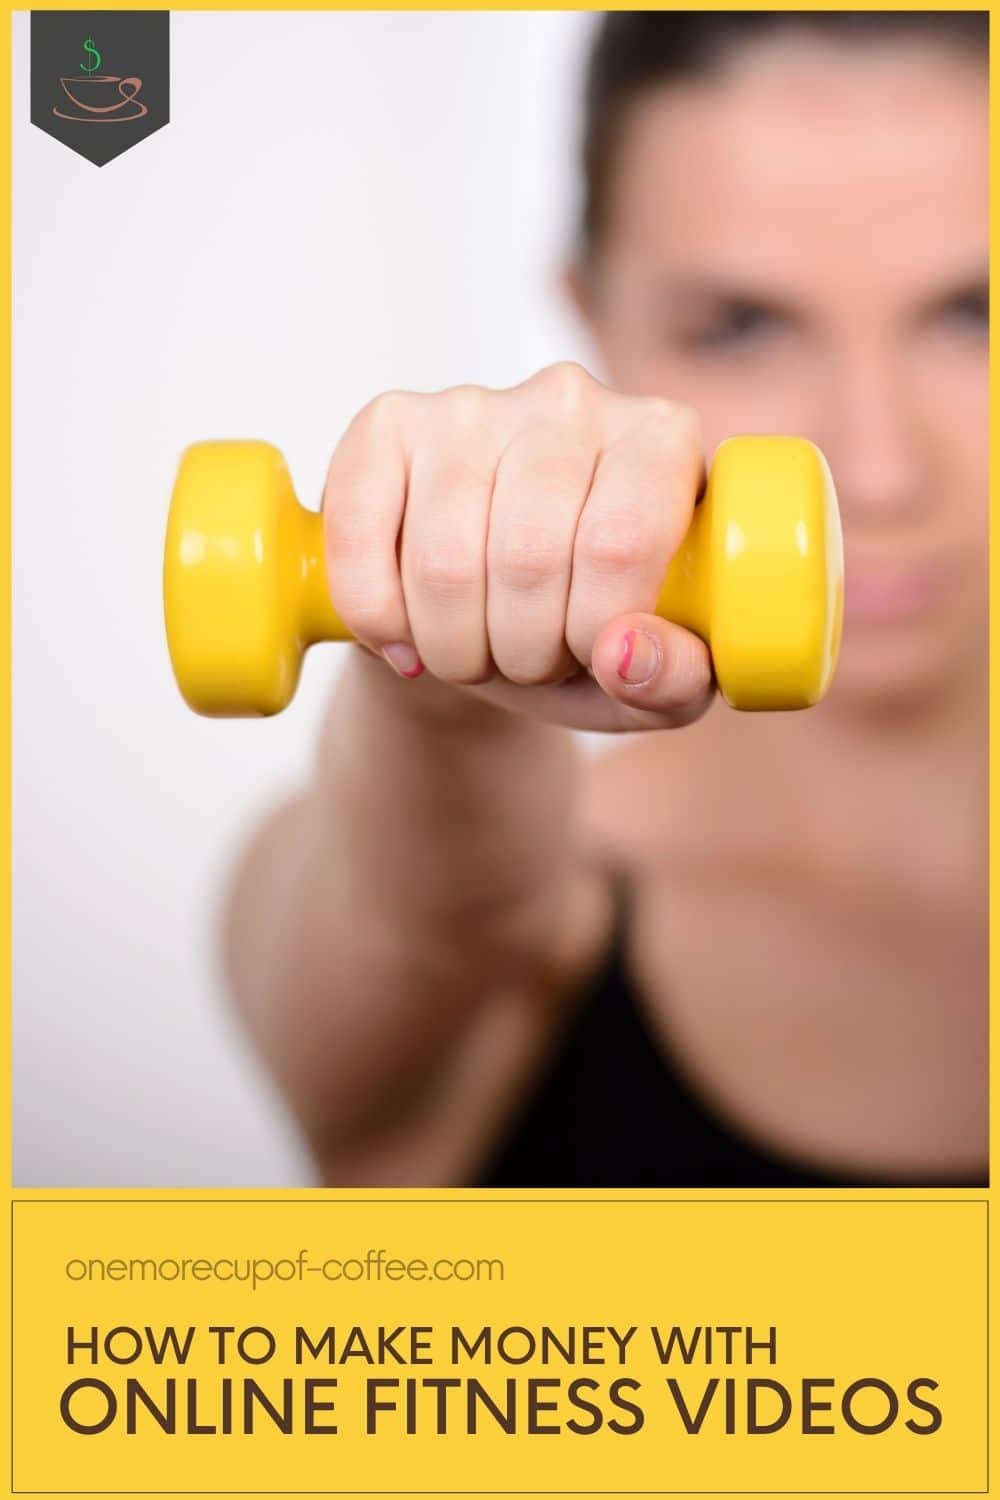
341 203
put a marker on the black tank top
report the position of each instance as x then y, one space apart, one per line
612 1110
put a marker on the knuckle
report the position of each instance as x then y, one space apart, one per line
548 461
385 412
465 479
675 423
527 556
465 405
612 544
691 668
567 385
446 570
370 610
462 478
345 530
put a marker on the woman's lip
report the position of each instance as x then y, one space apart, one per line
878 595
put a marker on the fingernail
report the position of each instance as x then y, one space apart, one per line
640 658
403 659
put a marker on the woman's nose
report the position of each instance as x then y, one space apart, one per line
873 443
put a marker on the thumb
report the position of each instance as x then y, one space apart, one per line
659 672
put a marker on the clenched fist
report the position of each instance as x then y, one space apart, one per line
512 543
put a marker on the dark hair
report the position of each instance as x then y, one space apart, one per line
638 50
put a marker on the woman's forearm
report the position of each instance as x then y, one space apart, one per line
428 867
449 810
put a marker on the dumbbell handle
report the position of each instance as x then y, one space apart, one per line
682 598
320 620
759 576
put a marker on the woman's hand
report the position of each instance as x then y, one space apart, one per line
512 544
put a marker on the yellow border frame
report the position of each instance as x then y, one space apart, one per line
137 1195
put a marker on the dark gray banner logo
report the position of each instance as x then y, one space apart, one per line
100 79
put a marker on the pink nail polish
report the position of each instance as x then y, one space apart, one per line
625 661
403 659
640 658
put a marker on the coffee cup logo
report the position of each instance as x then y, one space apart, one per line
100 100
133 91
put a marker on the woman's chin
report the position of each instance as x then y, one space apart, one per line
891 670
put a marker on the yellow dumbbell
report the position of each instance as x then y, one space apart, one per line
759 576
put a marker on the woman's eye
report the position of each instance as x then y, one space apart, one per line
737 324
970 310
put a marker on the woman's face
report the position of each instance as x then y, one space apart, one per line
799 244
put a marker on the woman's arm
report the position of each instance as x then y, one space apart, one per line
399 936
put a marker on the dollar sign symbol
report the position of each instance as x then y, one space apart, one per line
88 46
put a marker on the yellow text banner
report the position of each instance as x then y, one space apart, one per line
486 1345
